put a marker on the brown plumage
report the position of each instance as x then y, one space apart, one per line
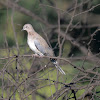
39 45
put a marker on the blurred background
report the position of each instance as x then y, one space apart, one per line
71 28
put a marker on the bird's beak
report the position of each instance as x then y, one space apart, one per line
22 30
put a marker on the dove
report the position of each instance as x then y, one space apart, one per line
39 46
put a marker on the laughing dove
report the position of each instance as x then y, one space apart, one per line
39 45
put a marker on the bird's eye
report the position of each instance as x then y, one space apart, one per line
26 27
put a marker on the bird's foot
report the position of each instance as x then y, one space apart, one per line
35 55
40 56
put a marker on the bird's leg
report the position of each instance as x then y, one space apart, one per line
35 55
41 55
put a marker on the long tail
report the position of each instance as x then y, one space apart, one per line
57 66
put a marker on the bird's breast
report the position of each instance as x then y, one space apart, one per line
32 45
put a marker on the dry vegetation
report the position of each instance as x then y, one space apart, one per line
71 28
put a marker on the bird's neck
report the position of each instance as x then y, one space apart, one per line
31 34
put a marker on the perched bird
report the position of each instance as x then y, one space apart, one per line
39 45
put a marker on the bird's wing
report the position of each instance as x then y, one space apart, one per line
40 47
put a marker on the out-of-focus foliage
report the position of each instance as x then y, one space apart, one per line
25 66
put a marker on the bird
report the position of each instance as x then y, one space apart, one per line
39 45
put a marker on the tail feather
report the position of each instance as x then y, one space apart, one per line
57 66
60 69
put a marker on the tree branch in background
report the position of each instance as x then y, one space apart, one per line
11 4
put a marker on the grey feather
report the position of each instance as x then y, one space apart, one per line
58 67
39 47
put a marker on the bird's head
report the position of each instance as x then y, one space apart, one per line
28 27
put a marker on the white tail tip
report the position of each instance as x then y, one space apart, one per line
60 69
